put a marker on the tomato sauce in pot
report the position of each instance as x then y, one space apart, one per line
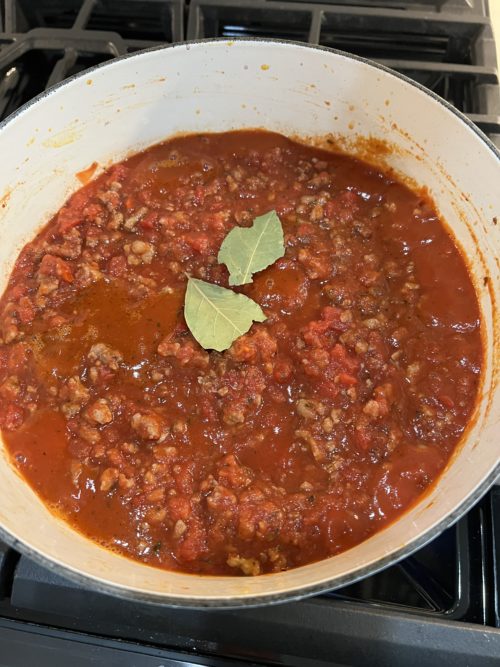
312 432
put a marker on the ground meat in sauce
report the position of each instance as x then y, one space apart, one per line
312 432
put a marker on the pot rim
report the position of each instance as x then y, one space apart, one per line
166 600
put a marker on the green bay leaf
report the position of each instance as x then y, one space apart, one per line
246 250
217 316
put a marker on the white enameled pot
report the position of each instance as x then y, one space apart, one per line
130 103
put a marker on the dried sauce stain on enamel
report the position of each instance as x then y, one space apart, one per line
62 138
313 431
4 199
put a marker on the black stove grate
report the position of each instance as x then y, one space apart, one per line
446 45
440 605
443 44
43 43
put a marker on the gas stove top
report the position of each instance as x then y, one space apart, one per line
439 606
447 45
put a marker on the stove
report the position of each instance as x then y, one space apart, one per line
439 606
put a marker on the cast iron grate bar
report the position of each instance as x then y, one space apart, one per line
152 20
50 40
470 6
495 550
8 561
69 36
448 33
420 584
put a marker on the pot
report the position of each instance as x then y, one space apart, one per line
108 112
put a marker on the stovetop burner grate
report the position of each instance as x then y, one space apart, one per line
43 43
446 45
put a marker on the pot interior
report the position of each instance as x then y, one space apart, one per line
316 95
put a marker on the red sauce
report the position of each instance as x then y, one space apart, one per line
312 432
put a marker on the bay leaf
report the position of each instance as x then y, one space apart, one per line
217 316
246 250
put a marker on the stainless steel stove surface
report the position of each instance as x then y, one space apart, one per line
441 605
